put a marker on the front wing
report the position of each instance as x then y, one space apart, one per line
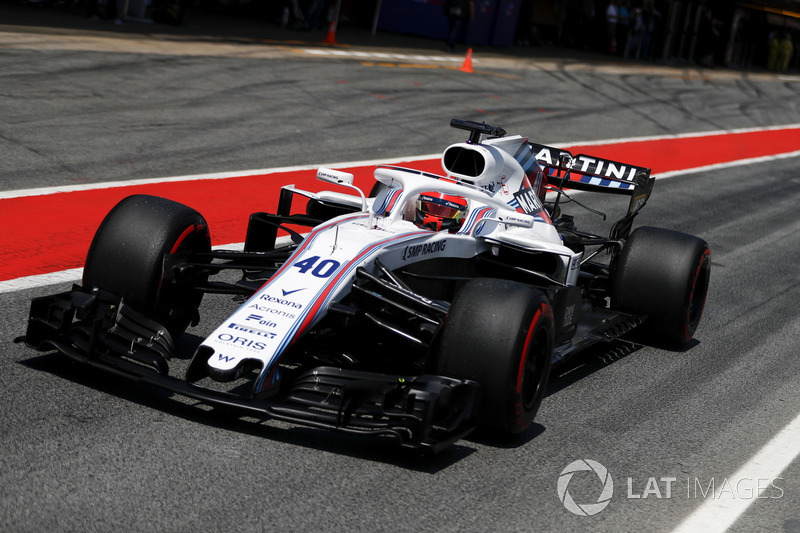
98 329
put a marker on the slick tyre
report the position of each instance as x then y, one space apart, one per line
499 333
127 255
663 274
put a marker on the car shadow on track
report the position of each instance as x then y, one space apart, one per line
376 449
381 450
602 356
589 362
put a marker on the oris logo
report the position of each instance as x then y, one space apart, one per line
242 341
281 301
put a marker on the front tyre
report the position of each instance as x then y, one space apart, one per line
663 274
127 255
500 334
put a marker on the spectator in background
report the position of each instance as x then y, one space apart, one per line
774 51
650 17
588 9
623 26
106 11
785 52
585 27
314 13
637 30
612 18
459 13
707 37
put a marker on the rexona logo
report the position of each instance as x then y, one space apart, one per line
607 490
409 252
280 301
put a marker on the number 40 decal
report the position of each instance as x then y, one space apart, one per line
323 269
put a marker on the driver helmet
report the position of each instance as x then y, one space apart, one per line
438 211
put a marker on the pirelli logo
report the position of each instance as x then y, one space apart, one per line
251 330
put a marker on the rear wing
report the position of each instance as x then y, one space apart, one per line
589 173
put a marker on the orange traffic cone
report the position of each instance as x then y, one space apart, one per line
330 38
467 65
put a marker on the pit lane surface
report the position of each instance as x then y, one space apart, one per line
82 451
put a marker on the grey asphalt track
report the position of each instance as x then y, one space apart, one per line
85 452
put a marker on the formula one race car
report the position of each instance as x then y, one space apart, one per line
430 306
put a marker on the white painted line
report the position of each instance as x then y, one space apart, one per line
41 280
626 140
227 175
719 512
729 164
76 274
43 191
382 55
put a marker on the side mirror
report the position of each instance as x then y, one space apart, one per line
344 179
509 218
520 220
334 176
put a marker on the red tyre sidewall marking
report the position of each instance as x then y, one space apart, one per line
190 230
526 349
706 257
544 310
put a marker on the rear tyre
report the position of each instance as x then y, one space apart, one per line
663 274
127 254
500 334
